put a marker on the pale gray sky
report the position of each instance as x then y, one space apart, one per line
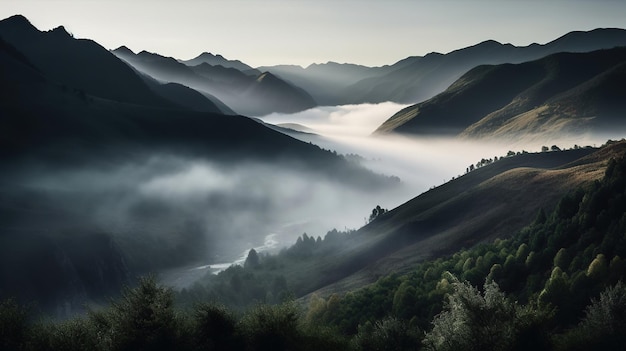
303 32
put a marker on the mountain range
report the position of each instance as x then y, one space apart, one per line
72 109
564 93
246 93
219 60
415 79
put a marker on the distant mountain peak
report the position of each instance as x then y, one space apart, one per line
204 55
61 31
124 50
19 22
215 60
17 19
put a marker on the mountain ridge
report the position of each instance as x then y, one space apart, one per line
488 98
61 57
235 88
423 79
214 60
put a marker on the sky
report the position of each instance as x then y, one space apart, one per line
302 32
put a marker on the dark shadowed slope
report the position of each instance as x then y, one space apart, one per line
560 93
239 91
41 116
55 245
78 64
185 96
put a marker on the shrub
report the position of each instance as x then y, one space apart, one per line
14 328
604 325
472 320
143 319
267 327
388 334
215 328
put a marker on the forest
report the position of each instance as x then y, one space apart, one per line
555 285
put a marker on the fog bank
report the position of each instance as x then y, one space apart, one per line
420 162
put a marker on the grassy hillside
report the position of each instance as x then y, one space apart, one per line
557 263
558 94
494 201
553 285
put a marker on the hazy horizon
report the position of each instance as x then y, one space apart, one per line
306 32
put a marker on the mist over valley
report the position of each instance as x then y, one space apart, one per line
179 203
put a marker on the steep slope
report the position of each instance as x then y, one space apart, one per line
185 96
492 202
273 94
75 219
62 58
229 85
98 123
425 77
560 93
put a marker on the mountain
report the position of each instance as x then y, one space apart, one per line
239 91
421 78
62 58
217 60
324 82
77 214
418 78
565 92
274 94
492 202
185 96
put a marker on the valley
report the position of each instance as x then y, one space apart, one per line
466 200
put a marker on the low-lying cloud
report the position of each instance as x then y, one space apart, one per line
168 209
421 162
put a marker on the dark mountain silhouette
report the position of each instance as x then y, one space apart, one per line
82 118
57 253
239 91
62 58
218 60
566 92
427 76
185 96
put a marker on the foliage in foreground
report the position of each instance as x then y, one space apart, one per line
559 262
145 319
472 320
535 287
